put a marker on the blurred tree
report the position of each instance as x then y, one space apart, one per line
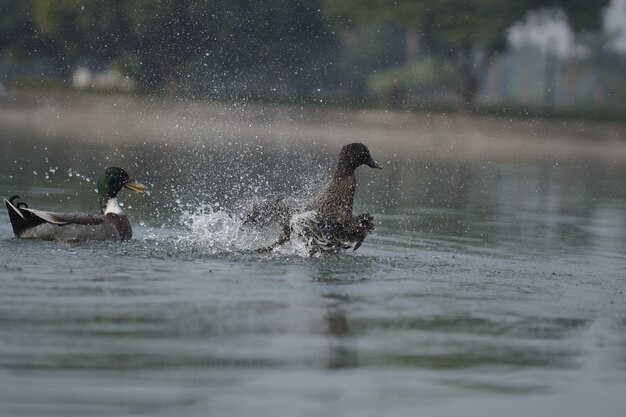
164 35
80 29
424 80
157 40
471 30
14 18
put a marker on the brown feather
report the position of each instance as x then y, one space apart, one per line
335 200
334 227
122 225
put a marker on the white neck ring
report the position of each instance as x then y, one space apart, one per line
113 207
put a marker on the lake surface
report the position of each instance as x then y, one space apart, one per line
487 288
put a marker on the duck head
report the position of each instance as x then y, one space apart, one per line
353 156
110 184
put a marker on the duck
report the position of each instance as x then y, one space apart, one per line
110 224
331 225
268 211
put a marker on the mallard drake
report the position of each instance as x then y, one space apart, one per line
332 226
110 224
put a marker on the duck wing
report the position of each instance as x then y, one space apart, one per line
329 234
21 220
272 209
358 227
24 219
62 219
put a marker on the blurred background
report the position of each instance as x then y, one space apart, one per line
490 286
524 57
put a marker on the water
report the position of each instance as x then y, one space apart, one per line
488 287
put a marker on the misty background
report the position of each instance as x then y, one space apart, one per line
525 57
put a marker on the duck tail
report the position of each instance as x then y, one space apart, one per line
21 220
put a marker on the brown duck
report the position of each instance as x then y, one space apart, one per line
333 226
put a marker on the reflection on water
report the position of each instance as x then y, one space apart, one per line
480 279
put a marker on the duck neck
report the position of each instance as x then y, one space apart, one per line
344 169
112 206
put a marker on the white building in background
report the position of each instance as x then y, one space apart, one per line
547 30
83 79
545 66
615 24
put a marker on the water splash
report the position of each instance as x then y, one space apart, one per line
218 231
83 177
299 244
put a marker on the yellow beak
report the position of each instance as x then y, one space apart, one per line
135 186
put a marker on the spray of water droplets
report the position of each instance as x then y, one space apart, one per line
217 231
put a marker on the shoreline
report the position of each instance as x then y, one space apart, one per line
123 119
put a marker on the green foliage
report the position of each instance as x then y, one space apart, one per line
39 84
156 40
582 14
75 28
426 75
457 20
368 49
472 21
15 26
466 29
276 45
606 70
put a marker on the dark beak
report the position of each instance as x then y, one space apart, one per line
373 164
